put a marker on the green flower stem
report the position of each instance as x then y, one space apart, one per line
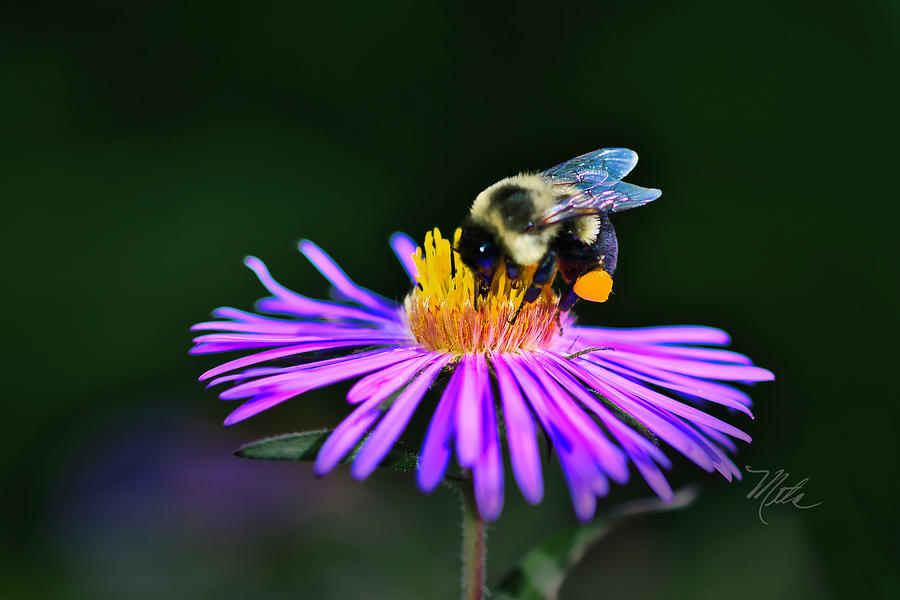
473 548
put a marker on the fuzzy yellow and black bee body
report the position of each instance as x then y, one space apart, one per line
554 222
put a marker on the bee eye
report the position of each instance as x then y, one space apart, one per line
487 256
477 248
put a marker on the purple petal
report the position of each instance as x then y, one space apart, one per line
648 469
217 348
696 368
668 428
256 406
719 459
345 436
272 340
295 384
575 386
348 433
719 438
487 473
521 435
716 355
661 401
344 284
608 456
385 382
247 374
288 302
404 247
584 502
226 312
722 463
662 427
260 371
732 469
385 434
276 326
469 443
293 327
642 452
222 342
585 482
674 334
321 373
252 359
436 449
240 320
579 469
708 390
320 309
699 391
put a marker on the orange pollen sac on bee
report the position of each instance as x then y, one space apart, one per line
594 286
441 310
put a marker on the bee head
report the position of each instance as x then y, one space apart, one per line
478 249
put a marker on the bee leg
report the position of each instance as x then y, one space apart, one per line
543 275
568 299
483 283
513 271
531 294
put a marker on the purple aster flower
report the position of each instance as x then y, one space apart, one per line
584 387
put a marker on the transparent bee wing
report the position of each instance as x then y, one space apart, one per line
606 165
631 196
595 180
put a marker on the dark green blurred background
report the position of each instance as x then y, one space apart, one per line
149 147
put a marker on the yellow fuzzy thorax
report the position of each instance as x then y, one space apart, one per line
441 309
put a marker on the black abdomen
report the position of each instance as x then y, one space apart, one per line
575 257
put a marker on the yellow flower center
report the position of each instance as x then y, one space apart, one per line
442 314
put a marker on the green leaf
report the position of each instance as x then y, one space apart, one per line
303 447
543 569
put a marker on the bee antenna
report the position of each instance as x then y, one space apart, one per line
455 249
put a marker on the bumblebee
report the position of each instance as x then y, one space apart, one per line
553 222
